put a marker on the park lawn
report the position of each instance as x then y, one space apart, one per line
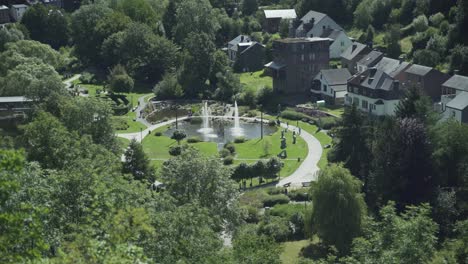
123 142
255 80
333 109
254 149
291 250
134 126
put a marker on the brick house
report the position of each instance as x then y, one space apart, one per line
427 79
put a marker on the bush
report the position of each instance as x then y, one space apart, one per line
223 153
239 140
276 227
273 200
229 160
168 88
251 214
120 124
272 123
286 210
158 134
87 78
274 190
252 113
196 120
194 140
175 150
328 122
293 115
230 147
299 195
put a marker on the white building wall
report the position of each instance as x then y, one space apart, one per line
340 45
325 23
453 113
388 107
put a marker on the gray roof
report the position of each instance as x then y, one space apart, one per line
375 79
274 65
353 51
460 102
240 39
20 6
3 7
457 82
302 40
281 13
391 66
331 34
251 46
420 70
372 58
14 99
317 16
335 76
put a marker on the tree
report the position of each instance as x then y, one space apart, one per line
35 20
169 19
228 85
415 105
168 87
137 163
338 208
249 7
392 40
138 10
459 60
409 237
370 33
363 16
273 167
193 177
351 147
178 135
219 65
250 248
9 35
402 168
120 81
284 28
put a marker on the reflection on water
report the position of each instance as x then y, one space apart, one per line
222 131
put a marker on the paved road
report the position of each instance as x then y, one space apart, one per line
141 106
306 172
68 82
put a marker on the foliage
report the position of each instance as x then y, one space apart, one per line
337 194
168 88
137 163
178 135
250 248
120 81
273 200
459 60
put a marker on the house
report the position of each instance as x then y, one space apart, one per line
314 24
57 3
17 11
369 60
394 68
245 54
454 98
339 42
331 85
427 79
14 107
352 55
4 14
374 91
273 18
296 62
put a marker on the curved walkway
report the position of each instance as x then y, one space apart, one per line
306 172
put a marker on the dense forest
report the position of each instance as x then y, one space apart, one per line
395 189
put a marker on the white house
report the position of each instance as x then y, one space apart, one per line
375 92
331 85
314 24
454 98
340 42
17 11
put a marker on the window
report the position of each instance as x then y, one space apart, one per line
364 104
324 87
356 101
302 57
372 106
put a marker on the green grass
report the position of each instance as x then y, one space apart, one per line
123 142
255 80
134 126
291 251
336 110
406 45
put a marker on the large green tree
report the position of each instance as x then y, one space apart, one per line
338 208
137 163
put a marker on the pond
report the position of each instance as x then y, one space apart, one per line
221 131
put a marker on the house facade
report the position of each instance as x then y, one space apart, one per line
351 56
331 85
273 18
339 43
314 24
454 99
427 79
4 14
246 55
374 91
17 11
296 62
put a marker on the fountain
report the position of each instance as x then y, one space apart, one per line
206 130
237 130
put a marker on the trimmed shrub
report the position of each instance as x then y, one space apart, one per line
274 190
223 153
196 120
239 140
120 124
272 123
229 160
273 200
299 195
194 140
230 147
251 214
175 150
328 122
252 113
158 134
293 115
276 227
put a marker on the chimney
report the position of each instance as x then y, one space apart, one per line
242 38
371 80
401 58
396 85
354 47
